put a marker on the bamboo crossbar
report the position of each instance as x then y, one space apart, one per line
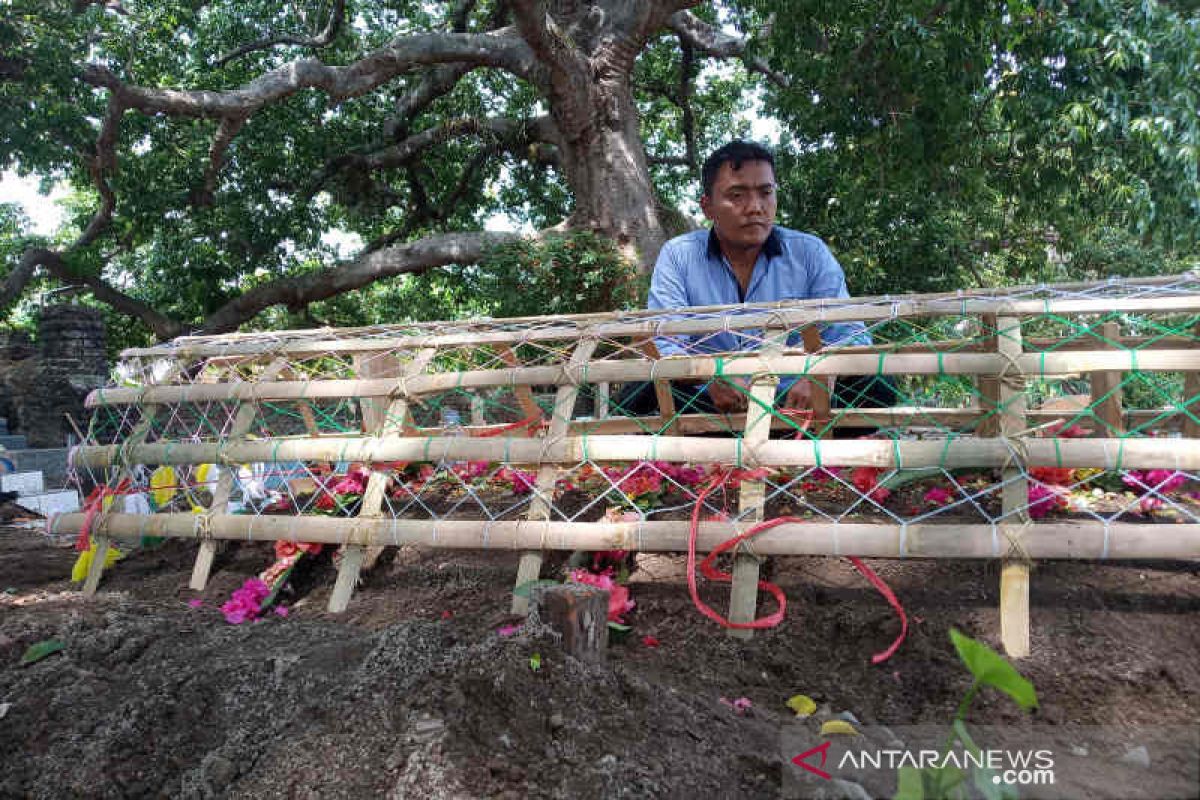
674 368
1059 540
791 313
951 453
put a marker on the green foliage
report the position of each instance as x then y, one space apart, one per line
36 652
990 669
933 145
943 145
987 668
558 275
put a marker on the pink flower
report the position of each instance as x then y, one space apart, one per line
739 706
937 496
1043 500
507 630
522 481
650 641
619 603
1150 504
246 603
196 602
282 611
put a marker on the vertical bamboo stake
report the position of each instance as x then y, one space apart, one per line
524 394
1108 383
394 423
530 566
601 409
369 366
743 594
989 385
241 426
662 392
136 436
822 394
1191 389
1014 575
477 415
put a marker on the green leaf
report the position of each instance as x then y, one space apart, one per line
990 669
982 778
526 589
535 662
616 626
37 652
909 784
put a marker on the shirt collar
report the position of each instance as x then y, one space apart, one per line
772 247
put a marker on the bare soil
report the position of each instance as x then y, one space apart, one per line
413 693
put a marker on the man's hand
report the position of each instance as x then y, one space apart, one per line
729 399
801 394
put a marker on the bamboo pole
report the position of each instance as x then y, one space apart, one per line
1106 390
743 593
388 426
989 385
1014 575
242 421
530 566
316 347
951 453
794 313
1191 399
524 394
1085 540
662 391
672 368
136 437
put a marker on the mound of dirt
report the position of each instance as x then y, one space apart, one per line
413 692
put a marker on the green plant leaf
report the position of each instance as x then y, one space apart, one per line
909 784
616 626
535 662
982 778
526 589
37 652
991 669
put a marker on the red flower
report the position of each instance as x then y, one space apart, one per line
618 596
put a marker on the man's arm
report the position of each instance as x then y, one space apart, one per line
829 280
668 290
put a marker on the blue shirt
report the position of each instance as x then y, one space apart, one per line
691 271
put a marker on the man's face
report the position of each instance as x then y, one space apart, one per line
742 204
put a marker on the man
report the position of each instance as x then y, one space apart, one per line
745 258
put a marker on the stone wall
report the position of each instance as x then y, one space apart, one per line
43 381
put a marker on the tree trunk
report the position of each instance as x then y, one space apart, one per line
603 157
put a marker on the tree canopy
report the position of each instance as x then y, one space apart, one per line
213 146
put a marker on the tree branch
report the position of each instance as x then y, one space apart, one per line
406 259
228 130
336 15
500 49
551 44
709 40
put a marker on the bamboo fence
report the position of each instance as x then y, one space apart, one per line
516 434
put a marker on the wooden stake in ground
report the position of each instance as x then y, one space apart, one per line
136 437
580 614
1106 389
390 425
1014 576
220 497
530 566
743 593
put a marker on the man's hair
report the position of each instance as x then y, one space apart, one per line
735 153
